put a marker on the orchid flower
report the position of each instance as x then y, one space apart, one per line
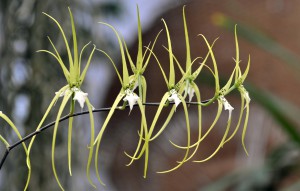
129 83
219 96
172 95
71 91
2 139
239 80
137 78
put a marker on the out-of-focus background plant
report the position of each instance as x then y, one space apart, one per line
269 30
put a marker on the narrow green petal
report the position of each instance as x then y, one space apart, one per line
133 68
113 63
152 47
246 71
245 129
176 61
75 49
65 70
91 146
239 120
161 69
61 108
216 75
65 40
125 70
70 136
140 42
237 52
197 92
209 129
188 137
171 82
51 105
220 145
40 124
187 43
87 66
100 134
80 56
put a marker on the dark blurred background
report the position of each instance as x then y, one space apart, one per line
268 30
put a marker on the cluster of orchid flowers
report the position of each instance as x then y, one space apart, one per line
177 94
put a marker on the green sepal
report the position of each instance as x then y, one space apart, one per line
61 108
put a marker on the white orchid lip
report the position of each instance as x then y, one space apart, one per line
174 97
190 91
131 98
245 94
227 105
79 96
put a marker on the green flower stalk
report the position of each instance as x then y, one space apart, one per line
2 139
70 92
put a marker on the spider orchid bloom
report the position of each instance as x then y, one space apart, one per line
174 94
227 106
174 97
131 98
126 94
239 80
74 77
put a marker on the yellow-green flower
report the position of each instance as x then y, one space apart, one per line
71 91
